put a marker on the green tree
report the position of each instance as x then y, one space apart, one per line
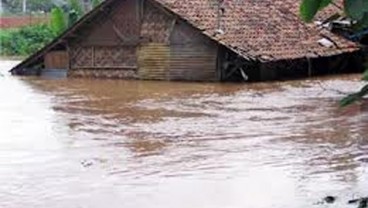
357 10
40 5
24 41
72 18
95 3
15 6
75 12
75 6
57 24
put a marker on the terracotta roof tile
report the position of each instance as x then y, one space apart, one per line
261 29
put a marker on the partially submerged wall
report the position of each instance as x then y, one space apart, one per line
56 60
232 66
137 39
112 73
107 46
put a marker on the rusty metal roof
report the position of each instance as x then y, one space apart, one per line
265 30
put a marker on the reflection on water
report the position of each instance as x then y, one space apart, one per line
97 143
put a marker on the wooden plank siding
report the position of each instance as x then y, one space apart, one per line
192 62
139 36
154 51
153 60
110 40
56 60
193 56
175 50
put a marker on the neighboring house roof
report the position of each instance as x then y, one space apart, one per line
263 30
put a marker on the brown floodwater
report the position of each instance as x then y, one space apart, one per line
68 143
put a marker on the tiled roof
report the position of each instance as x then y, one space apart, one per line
265 30
261 29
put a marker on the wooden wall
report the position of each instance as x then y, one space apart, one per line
193 56
173 50
56 60
108 43
141 37
154 50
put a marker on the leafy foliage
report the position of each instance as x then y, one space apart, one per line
58 23
95 3
15 6
75 12
354 97
309 8
75 6
72 18
357 10
365 76
26 40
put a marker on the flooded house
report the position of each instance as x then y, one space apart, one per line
195 40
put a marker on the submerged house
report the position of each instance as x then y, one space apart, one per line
202 40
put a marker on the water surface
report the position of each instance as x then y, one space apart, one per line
138 144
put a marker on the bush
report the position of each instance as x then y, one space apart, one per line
25 41
58 23
95 3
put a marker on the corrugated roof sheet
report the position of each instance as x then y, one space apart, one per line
261 29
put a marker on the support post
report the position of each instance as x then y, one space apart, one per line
309 67
24 6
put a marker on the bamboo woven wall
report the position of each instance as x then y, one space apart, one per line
109 44
138 36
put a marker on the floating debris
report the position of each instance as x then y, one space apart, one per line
363 202
329 199
86 163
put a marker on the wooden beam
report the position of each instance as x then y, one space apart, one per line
69 67
309 66
118 33
93 56
171 29
108 67
228 75
162 8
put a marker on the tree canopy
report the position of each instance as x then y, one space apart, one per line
15 6
357 10
57 23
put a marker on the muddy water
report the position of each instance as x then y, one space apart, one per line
113 143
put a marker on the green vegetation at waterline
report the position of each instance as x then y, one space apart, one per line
24 41
356 10
355 97
27 40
